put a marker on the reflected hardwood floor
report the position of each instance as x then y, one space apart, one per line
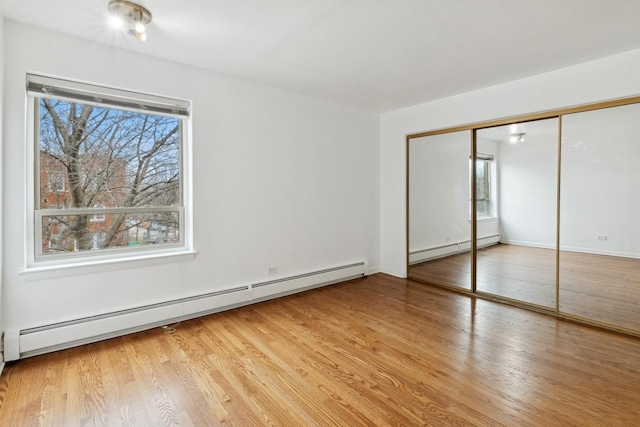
519 272
596 287
600 287
369 352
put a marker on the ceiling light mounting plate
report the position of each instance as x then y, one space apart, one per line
131 13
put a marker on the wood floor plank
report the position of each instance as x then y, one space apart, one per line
378 351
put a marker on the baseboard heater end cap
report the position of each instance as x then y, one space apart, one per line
11 345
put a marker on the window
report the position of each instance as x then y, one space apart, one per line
110 167
98 217
483 185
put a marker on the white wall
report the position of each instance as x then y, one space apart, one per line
2 309
607 78
280 179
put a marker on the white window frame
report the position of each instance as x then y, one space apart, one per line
39 86
99 217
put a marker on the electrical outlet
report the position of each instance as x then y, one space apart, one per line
601 237
273 269
447 239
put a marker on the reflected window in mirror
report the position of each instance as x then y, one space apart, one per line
484 177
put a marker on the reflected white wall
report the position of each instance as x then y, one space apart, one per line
528 186
439 190
601 181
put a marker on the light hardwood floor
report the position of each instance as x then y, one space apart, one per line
600 288
376 351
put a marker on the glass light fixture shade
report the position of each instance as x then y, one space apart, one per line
517 137
115 21
139 27
130 13
140 36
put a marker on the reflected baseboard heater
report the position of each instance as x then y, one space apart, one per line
44 339
429 254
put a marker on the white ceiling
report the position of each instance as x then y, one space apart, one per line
374 54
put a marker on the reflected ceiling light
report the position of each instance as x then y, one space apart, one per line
125 12
517 137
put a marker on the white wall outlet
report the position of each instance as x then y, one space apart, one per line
447 239
273 269
601 237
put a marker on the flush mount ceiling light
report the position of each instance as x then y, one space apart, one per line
517 137
128 13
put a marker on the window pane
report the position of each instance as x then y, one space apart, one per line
482 208
482 180
76 233
95 156
483 187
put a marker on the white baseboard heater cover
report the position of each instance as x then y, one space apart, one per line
47 338
428 254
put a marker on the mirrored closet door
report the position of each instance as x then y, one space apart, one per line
439 199
599 276
540 211
516 211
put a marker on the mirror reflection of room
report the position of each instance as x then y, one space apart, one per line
439 201
599 228
555 212
516 211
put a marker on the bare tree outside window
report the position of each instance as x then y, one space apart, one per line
56 181
124 165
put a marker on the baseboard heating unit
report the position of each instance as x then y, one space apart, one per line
21 343
432 253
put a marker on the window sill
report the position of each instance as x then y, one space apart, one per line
73 268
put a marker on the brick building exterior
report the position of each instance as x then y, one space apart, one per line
102 185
